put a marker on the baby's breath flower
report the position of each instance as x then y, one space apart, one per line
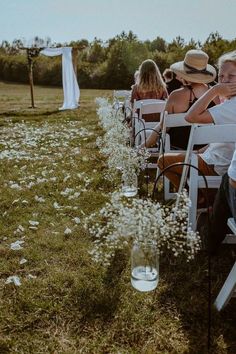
123 222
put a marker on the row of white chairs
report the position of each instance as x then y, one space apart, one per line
200 135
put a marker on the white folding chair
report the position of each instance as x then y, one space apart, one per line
145 128
121 98
170 120
200 135
228 289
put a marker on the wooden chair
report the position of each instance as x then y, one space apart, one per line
228 289
200 135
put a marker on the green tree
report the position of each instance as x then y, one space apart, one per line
123 60
215 46
158 44
97 52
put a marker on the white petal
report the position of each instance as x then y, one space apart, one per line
13 279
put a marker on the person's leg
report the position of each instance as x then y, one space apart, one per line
232 200
207 170
220 214
174 173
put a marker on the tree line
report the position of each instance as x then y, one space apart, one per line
107 65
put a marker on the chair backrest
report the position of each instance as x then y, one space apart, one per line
201 135
137 103
171 120
157 106
174 120
207 134
148 106
117 94
121 99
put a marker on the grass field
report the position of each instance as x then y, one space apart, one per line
51 179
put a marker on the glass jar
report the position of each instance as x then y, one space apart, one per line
129 184
144 266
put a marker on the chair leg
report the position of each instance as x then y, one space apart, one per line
227 291
193 195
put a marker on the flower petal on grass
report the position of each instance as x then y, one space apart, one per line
31 276
67 231
16 246
13 279
77 220
33 223
23 261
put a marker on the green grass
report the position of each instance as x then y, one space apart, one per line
71 305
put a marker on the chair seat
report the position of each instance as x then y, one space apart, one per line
212 181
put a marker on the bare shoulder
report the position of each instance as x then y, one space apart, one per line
178 101
179 93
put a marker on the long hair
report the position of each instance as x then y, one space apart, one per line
149 78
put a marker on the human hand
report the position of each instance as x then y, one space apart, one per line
225 89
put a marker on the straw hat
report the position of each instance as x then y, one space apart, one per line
195 67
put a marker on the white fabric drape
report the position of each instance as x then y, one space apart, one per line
69 81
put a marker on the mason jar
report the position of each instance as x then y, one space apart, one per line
144 266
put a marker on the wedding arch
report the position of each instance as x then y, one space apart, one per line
69 81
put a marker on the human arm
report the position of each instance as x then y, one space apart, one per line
134 95
232 182
199 113
152 139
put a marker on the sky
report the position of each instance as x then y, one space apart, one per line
67 20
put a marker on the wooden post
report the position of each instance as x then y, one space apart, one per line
31 54
31 80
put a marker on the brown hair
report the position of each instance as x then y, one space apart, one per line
149 78
168 74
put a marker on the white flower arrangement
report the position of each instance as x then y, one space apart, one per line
122 222
115 144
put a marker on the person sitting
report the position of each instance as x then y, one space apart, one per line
224 207
149 85
172 83
215 158
195 84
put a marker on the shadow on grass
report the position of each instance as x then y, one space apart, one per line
188 292
99 296
28 113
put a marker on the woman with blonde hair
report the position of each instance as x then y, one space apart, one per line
149 85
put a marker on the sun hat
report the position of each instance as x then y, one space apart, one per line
195 67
